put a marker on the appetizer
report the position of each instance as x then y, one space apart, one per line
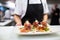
28 27
35 24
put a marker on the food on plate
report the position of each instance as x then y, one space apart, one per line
24 30
36 23
28 27
42 28
44 24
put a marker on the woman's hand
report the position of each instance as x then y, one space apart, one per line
18 24
18 20
45 18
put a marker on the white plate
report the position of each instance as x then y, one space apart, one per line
52 30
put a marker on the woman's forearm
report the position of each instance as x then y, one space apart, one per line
17 19
45 17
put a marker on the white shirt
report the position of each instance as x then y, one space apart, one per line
21 6
34 2
10 5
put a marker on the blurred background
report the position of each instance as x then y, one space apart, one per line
7 8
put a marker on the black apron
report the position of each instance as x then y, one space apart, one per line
34 12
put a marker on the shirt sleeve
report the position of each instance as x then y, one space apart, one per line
18 10
10 5
45 6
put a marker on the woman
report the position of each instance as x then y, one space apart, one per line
30 10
